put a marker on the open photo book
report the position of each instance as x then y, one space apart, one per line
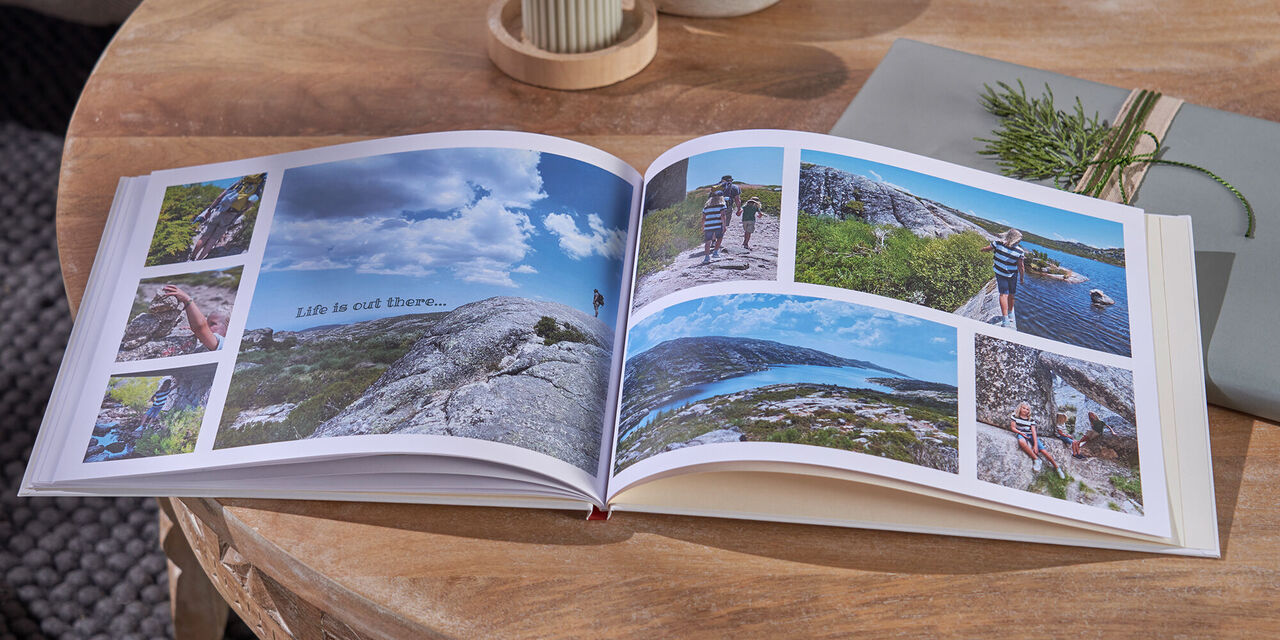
767 325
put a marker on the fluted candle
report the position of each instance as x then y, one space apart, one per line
571 26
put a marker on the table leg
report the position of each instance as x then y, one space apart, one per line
198 610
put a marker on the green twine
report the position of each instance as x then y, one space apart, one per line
1037 141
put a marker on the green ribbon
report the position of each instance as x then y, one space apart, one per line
1119 155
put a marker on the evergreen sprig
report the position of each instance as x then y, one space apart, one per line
1037 141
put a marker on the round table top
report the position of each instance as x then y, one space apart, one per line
195 81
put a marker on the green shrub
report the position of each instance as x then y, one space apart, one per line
552 332
1048 483
1131 486
134 393
942 273
178 434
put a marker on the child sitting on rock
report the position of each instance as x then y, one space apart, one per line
1022 426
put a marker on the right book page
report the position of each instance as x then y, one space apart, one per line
821 306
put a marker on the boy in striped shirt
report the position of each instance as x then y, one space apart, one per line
712 225
158 401
1010 268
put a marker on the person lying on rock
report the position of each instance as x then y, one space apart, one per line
1009 267
1022 426
713 220
158 401
209 331
1098 428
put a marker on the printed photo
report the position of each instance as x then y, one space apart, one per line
1018 265
1056 426
157 413
710 218
206 220
180 314
790 369
460 292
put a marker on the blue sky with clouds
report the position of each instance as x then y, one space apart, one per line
919 348
455 225
1043 220
753 165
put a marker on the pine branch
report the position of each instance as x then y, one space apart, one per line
1037 141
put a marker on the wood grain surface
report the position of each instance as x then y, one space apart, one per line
194 81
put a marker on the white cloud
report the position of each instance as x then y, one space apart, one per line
479 243
411 214
524 268
937 339
577 244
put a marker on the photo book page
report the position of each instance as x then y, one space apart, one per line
812 301
449 294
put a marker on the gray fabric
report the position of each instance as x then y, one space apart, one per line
69 567
924 99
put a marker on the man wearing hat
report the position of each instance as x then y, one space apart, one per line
732 198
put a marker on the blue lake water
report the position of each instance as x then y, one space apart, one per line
1064 312
852 377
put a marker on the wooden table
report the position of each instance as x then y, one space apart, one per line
188 82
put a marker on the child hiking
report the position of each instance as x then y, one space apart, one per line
158 401
749 210
1009 267
1022 426
713 220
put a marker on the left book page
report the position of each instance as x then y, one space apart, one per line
454 295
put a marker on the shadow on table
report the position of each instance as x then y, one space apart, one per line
835 547
769 53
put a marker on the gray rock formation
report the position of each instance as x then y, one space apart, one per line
256 339
1090 480
1009 373
155 323
667 187
983 306
825 191
1098 297
481 372
729 434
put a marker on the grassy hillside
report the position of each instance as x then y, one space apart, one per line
942 273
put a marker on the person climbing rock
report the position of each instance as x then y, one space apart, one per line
158 401
1098 427
209 331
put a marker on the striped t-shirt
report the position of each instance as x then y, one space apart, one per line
712 217
161 397
1006 263
1023 426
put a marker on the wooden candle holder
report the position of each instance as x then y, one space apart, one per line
636 45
